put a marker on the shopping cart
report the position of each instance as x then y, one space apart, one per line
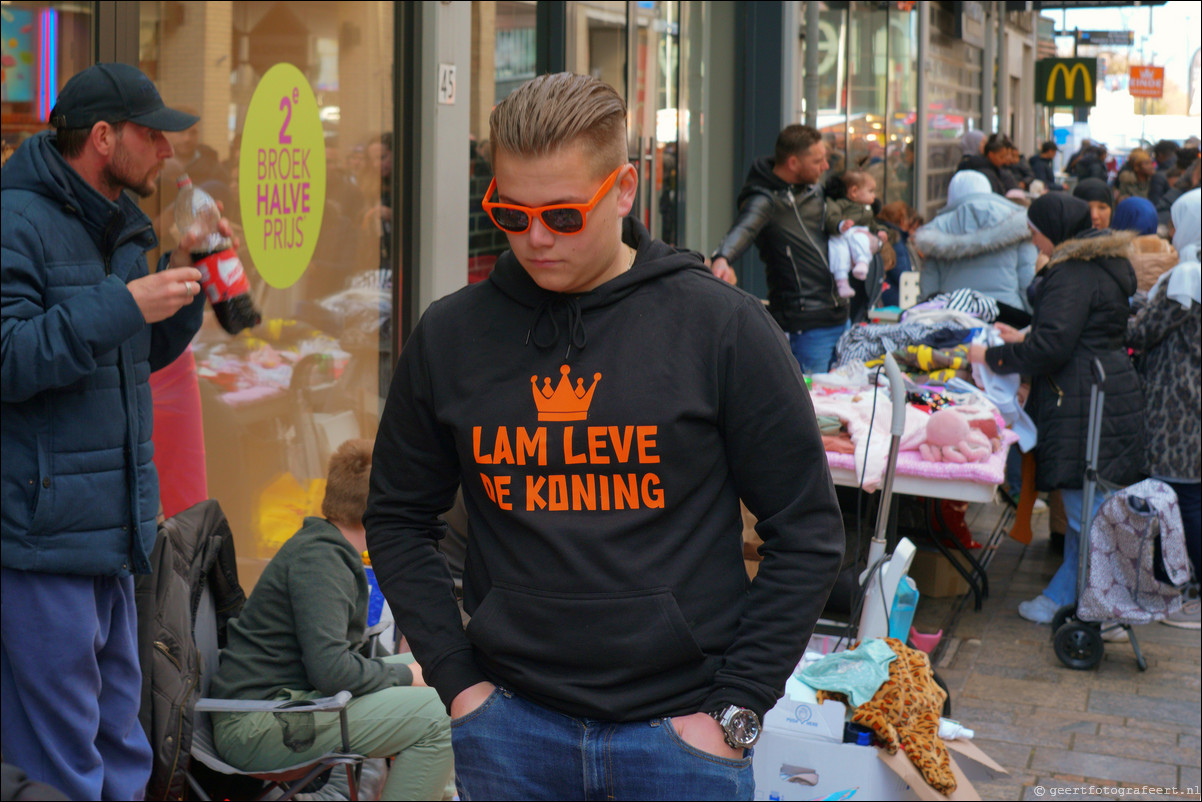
1134 546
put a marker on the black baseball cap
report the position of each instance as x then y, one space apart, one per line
115 93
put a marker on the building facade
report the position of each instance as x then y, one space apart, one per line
348 142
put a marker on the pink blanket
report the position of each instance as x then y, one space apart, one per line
992 471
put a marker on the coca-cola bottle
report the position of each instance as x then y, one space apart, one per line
221 274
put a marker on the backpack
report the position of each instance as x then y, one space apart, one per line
1137 557
194 548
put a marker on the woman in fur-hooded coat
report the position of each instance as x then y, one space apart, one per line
979 241
1081 311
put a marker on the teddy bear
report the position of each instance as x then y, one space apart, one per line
950 438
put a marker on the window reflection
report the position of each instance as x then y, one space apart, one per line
276 401
596 41
868 91
503 58
954 78
656 114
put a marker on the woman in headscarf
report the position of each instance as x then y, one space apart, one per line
1081 312
1100 199
1151 255
1169 333
979 241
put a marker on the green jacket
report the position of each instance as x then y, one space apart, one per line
846 209
302 624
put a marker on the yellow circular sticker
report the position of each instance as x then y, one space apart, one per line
282 175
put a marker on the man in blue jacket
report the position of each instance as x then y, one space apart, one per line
83 325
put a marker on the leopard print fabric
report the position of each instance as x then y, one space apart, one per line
1168 336
905 712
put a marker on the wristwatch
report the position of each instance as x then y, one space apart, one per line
742 726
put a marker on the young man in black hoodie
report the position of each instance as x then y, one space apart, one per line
605 402
782 210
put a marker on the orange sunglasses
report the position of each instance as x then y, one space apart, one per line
561 218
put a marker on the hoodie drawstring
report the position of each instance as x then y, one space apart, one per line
577 336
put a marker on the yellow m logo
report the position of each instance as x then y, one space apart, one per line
1070 78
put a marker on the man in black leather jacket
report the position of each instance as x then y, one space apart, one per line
781 209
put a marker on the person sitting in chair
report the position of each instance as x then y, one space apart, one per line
297 639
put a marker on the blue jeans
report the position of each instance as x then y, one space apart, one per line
510 748
815 348
71 684
1014 471
1063 587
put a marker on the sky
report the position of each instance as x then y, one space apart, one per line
1176 31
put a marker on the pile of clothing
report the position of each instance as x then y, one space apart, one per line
894 693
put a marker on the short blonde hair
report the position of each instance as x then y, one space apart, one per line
347 482
554 111
1138 156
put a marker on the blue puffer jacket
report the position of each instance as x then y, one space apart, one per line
79 490
980 242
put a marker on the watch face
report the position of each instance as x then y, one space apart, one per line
744 728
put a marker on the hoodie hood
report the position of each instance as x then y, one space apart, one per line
965 183
38 167
559 318
977 224
1109 250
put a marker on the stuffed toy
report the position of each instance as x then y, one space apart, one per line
950 438
905 712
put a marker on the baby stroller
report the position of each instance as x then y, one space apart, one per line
1132 563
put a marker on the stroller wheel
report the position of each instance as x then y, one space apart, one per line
1062 616
1078 645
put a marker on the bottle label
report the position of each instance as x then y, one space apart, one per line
221 275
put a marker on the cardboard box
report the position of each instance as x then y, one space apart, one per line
791 768
935 576
801 756
798 713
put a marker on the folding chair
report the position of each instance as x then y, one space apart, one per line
291 780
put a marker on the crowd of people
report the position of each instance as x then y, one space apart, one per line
549 680
1108 269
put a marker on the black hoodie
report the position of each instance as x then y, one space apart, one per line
801 289
604 571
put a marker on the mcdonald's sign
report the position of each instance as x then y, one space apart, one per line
1066 81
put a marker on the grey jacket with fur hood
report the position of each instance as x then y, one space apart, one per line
980 243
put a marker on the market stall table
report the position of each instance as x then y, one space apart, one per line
971 482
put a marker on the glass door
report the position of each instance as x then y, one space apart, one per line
655 114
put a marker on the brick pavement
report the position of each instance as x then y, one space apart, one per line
1050 726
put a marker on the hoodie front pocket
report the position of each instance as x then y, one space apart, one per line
634 633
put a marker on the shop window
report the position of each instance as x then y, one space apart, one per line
41 46
901 118
867 84
596 41
277 399
655 115
503 58
868 91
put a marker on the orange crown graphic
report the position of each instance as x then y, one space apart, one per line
564 402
